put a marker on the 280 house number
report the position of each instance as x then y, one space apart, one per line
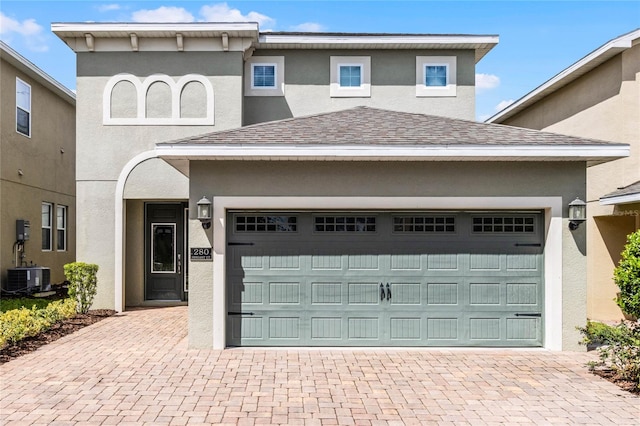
201 253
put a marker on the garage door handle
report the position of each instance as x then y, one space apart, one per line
528 245
529 314
240 313
388 292
382 295
233 243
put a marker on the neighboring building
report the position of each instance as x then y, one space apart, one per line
37 168
354 200
597 97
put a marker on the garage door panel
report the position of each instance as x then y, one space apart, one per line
329 288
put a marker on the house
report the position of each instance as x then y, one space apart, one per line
322 189
37 175
596 97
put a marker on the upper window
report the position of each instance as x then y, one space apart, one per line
23 108
47 218
350 76
435 76
61 228
264 76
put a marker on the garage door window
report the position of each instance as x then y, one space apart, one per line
345 224
266 223
504 224
424 224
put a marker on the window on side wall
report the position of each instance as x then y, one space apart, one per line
47 234
61 228
23 108
436 76
350 76
264 76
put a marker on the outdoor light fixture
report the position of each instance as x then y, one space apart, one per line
577 213
204 212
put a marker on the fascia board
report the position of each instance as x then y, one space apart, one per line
621 199
391 153
583 66
127 27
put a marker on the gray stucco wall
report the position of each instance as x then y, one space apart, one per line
393 85
395 179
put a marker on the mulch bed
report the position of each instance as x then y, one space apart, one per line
58 330
623 384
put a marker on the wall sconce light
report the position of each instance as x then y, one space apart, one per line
577 213
204 212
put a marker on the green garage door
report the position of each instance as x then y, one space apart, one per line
385 278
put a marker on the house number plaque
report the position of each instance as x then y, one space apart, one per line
201 253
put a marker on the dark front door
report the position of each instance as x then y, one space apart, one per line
164 251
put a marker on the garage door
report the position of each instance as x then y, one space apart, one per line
385 278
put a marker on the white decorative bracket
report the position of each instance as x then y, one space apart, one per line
180 42
89 40
134 42
225 42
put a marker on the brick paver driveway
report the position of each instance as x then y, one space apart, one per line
135 368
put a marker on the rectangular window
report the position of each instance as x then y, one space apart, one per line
61 228
263 76
435 75
266 223
47 235
350 75
344 224
163 248
504 224
424 224
23 107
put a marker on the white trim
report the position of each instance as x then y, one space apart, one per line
362 91
358 39
120 213
552 206
278 62
64 227
142 87
49 227
393 153
422 90
621 199
566 76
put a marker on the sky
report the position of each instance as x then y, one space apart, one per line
538 39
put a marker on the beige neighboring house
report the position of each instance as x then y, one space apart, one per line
37 173
597 97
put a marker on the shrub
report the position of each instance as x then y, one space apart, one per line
619 348
17 324
627 277
83 283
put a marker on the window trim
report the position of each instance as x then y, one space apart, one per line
362 91
449 90
48 226
64 228
21 108
277 62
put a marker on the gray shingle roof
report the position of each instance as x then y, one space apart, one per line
634 188
372 126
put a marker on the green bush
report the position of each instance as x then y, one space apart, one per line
17 324
619 348
627 277
83 283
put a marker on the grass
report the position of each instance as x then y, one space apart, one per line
7 304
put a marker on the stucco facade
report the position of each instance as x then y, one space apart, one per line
598 97
141 86
36 168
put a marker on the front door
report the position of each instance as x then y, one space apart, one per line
164 251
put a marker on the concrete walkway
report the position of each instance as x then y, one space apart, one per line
135 369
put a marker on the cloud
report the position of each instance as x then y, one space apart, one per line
221 12
108 7
309 27
486 82
32 33
163 14
502 105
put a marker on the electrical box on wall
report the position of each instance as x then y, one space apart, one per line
23 229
